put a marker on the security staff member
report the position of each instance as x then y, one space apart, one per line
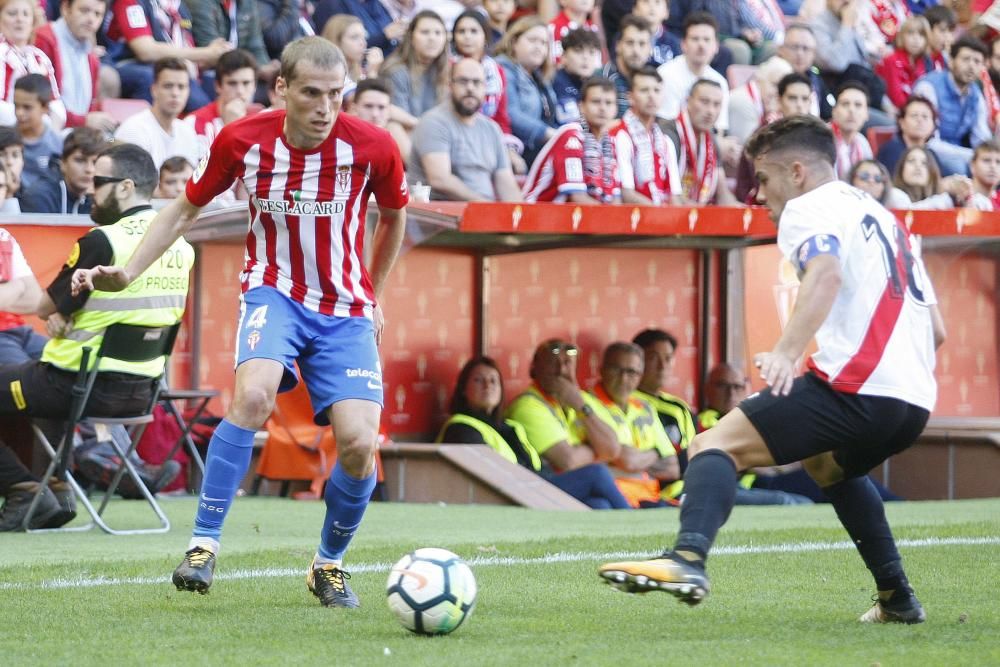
123 185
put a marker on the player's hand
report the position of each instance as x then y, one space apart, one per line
378 319
104 278
57 326
777 370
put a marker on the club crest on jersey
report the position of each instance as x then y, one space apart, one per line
343 178
253 339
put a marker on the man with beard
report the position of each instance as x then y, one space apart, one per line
633 51
124 179
961 108
457 150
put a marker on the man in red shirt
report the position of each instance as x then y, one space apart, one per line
307 296
235 82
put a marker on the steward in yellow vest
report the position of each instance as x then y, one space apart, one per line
123 185
476 419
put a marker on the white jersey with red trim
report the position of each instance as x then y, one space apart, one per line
878 338
307 208
557 172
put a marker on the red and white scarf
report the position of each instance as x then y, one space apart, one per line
848 154
992 99
698 162
887 16
650 153
600 169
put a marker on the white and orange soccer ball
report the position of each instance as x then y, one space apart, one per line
431 591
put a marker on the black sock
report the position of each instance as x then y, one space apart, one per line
859 507
709 492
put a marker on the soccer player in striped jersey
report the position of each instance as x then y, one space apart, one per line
866 298
306 295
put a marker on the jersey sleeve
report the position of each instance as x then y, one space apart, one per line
389 180
566 159
130 20
624 153
216 172
804 220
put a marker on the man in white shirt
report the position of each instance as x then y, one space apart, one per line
700 44
159 129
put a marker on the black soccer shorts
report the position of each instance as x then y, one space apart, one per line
861 431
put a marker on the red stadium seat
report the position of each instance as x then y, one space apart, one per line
121 108
879 135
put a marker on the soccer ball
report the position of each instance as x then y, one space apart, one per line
431 591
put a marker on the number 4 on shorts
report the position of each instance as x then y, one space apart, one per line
257 318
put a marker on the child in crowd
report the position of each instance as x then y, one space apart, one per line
12 161
32 95
665 44
581 58
910 61
942 21
498 13
174 175
575 14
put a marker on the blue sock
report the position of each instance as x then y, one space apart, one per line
227 462
346 499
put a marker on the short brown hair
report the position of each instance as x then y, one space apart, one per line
88 140
168 64
313 49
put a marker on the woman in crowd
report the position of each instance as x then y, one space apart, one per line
524 55
18 57
919 180
418 69
476 419
348 33
872 177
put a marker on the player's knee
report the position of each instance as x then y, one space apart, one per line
356 452
251 407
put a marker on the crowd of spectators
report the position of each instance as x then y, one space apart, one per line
721 68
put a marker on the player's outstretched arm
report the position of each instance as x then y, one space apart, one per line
168 225
817 293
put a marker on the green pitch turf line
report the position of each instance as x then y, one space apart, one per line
492 561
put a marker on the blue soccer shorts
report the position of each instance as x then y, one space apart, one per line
337 356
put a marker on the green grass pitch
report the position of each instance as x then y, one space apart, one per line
787 590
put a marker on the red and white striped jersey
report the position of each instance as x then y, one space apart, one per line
307 208
557 171
648 166
17 61
558 27
878 339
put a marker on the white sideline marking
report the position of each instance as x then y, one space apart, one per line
490 561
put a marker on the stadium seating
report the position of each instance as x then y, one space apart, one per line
879 135
737 75
122 108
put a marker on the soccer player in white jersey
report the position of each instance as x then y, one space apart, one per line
306 295
866 299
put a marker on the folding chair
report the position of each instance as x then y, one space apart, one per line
199 399
122 342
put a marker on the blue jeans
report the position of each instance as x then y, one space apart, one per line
769 497
592 485
19 345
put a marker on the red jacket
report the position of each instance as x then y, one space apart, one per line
900 74
46 42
